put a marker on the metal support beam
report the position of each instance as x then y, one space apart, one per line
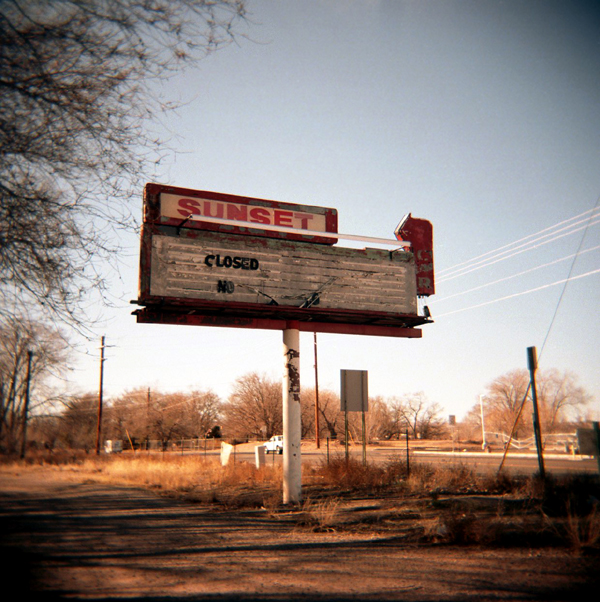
192 317
292 460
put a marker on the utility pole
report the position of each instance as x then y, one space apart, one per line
317 440
483 441
26 405
148 420
532 361
100 393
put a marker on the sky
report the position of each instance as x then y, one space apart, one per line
482 117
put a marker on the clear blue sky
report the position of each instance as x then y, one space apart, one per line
480 116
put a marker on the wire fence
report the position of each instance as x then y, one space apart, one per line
175 445
565 442
180 446
560 442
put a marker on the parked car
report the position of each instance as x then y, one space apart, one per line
275 444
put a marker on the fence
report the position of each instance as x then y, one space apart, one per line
179 445
550 442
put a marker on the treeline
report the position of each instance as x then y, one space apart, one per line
507 405
253 411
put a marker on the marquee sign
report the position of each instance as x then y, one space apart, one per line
198 272
181 207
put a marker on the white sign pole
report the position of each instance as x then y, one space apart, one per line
292 461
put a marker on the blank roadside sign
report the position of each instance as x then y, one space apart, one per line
354 391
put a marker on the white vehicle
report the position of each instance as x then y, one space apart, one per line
275 444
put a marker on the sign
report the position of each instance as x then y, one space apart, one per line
181 207
244 275
220 274
587 442
354 396
419 232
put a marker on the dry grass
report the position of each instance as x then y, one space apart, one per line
571 510
194 478
583 532
321 515
353 476
199 479
445 504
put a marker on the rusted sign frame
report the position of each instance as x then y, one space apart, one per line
419 233
193 317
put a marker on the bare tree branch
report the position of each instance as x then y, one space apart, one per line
77 98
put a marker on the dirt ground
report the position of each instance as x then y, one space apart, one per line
62 538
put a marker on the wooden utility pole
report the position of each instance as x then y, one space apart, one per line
26 404
537 431
317 439
407 456
596 428
100 393
148 421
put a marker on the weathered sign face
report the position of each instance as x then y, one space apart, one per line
354 391
194 275
180 207
270 274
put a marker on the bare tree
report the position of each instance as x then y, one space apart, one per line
307 412
331 419
49 352
201 413
79 92
79 420
142 415
377 419
130 415
503 401
254 408
396 424
559 398
421 417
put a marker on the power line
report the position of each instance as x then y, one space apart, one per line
528 271
528 247
468 261
532 290
568 279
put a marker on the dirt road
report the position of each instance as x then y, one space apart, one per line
83 540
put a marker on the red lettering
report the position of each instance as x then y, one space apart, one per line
188 207
260 215
303 217
237 212
208 206
283 218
